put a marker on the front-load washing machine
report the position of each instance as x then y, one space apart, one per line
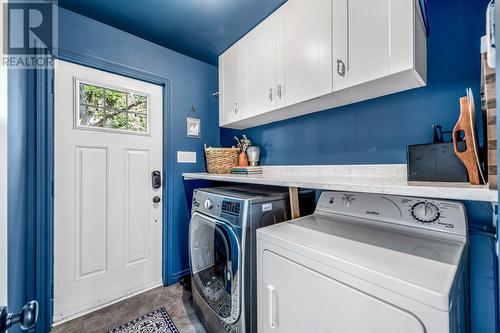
223 252
365 263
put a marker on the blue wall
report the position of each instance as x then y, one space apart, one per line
378 131
193 82
21 223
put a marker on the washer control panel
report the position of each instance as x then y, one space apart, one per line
230 209
441 215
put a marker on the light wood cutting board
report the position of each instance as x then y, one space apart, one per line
463 135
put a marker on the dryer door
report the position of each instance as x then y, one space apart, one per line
215 265
294 299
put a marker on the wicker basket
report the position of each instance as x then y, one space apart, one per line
221 160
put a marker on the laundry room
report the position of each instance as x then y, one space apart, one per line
214 166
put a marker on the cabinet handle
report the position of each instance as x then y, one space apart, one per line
279 91
271 94
340 67
236 108
271 307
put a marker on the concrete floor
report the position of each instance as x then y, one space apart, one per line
173 299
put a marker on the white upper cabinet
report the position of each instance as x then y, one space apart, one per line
260 67
312 55
231 85
304 51
368 52
379 47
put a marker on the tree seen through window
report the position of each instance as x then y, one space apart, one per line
109 108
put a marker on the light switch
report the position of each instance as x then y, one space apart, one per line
186 157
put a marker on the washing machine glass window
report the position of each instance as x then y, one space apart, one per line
215 260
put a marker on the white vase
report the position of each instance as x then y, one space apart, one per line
253 154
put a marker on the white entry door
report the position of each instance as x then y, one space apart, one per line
107 227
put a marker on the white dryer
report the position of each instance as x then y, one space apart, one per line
366 263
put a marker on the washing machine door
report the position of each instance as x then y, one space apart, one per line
215 265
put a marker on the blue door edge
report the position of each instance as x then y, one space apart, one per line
44 173
44 176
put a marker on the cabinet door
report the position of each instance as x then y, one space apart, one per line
304 50
260 59
293 298
231 74
372 39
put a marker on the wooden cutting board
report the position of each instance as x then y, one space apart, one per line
463 136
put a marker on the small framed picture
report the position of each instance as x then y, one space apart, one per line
193 127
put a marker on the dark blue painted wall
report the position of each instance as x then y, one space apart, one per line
20 171
483 281
193 82
378 131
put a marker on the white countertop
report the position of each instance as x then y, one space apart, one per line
382 179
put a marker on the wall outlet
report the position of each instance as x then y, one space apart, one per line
186 157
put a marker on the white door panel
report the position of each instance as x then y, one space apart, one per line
91 210
137 203
107 231
294 298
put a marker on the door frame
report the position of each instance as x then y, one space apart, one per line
44 129
3 179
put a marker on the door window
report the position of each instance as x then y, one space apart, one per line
102 107
215 258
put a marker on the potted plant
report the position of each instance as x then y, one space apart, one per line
243 145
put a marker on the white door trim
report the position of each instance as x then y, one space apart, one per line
3 179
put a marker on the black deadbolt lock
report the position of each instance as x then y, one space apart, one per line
156 179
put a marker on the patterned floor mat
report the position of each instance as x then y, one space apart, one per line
157 321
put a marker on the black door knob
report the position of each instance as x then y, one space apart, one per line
26 318
156 199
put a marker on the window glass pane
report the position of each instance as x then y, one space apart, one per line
91 95
117 120
92 116
137 103
116 100
110 108
137 122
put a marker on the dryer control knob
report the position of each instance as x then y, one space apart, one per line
425 212
208 204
